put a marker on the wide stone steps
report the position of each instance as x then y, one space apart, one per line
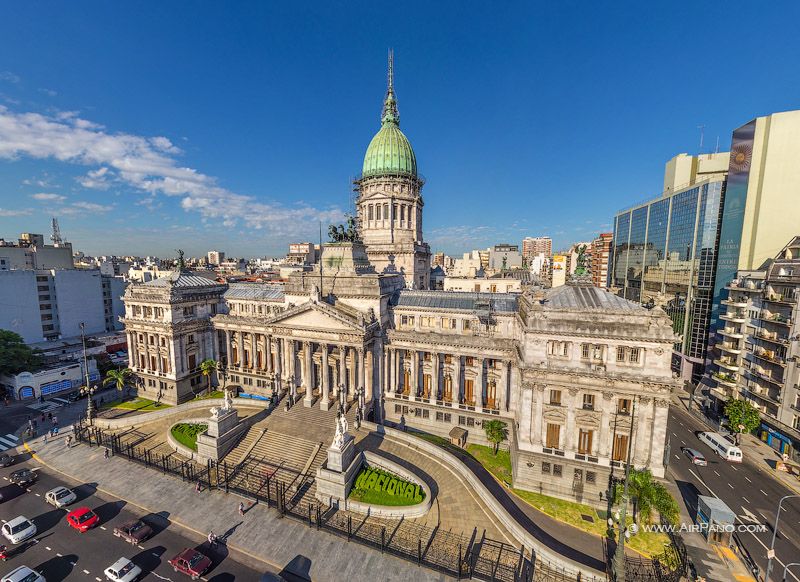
240 451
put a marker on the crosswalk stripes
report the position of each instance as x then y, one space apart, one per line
61 400
8 442
47 406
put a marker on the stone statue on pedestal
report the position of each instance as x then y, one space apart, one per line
228 400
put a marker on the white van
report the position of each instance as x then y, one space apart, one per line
722 446
19 529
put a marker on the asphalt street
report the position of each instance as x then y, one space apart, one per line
746 488
62 553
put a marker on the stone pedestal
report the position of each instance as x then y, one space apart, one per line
335 477
222 435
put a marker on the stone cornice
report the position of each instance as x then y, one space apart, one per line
598 381
484 344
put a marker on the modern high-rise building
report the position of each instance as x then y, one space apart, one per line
601 251
532 246
216 257
679 250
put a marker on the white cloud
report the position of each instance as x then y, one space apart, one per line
95 179
22 212
9 77
48 92
147 164
47 196
82 207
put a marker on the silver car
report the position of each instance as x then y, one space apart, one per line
60 497
123 570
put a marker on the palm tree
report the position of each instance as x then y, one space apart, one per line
496 432
647 495
119 378
208 367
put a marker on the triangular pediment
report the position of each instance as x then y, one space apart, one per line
318 316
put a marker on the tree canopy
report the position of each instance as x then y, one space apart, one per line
15 356
741 412
648 494
496 432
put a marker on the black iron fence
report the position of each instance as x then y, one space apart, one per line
452 554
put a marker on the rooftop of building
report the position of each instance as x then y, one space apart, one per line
585 296
254 292
182 279
456 300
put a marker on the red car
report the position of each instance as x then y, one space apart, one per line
82 519
191 562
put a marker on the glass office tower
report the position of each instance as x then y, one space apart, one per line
665 254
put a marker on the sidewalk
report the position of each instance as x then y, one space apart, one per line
260 534
755 451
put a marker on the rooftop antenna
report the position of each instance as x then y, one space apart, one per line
55 236
702 134
716 149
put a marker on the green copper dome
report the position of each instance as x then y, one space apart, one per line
389 152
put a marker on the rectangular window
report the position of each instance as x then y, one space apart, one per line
585 348
553 435
462 420
394 211
448 417
585 441
564 348
407 320
465 324
426 413
620 452
634 358
369 212
546 468
555 397
557 470
397 409
427 321
469 361
378 212
624 406
448 323
386 211
402 214
588 401
620 354
591 477
440 416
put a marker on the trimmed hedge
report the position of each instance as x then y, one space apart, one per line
186 433
373 485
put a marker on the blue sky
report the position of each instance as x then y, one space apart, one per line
151 125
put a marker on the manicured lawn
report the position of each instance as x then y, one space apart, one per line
391 491
214 394
140 404
186 433
498 465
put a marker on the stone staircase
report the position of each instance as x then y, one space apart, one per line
241 451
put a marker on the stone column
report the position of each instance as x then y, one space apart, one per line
435 376
414 373
479 385
644 414
362 369
502 387
268 353
351 387
159 367
386 384
215 351
228 348
308 365
457 396
605 436
278 366
393 371
569 441
324 400
253 352
538 411
240 351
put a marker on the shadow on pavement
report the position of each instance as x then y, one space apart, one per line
57 569
689 493
110 510
158 522
10 492
149 559
217 555
84 491
48 520
297 570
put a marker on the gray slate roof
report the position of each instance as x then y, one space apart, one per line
254 291
457 300
587 297
182 280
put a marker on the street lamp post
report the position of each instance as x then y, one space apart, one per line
619 554
89 411
771 551
786 569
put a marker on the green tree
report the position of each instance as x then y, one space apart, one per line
496 432
15 356
207 368
742 417
119 378
647 495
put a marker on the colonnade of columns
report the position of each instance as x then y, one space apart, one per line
320 370
153 358
452 379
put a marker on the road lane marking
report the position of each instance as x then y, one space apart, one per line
140 547
677 457
85 571
98 579
59 555
764 492
48 548
37 495
734 468
729 485
717 474
673 434
103 528
683 442
748 479
746 500
160 577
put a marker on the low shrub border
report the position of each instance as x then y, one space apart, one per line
186 433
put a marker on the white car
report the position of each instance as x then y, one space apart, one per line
23 574
60 497
19 529
123 570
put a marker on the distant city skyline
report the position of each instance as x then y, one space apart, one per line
242 129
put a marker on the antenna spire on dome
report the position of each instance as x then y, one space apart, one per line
390 113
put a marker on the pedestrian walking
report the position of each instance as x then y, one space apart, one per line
198 487
105 453
241 508
66 442
69 440
45 438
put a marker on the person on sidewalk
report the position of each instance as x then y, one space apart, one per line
105 453
45 438
241 508
212 539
